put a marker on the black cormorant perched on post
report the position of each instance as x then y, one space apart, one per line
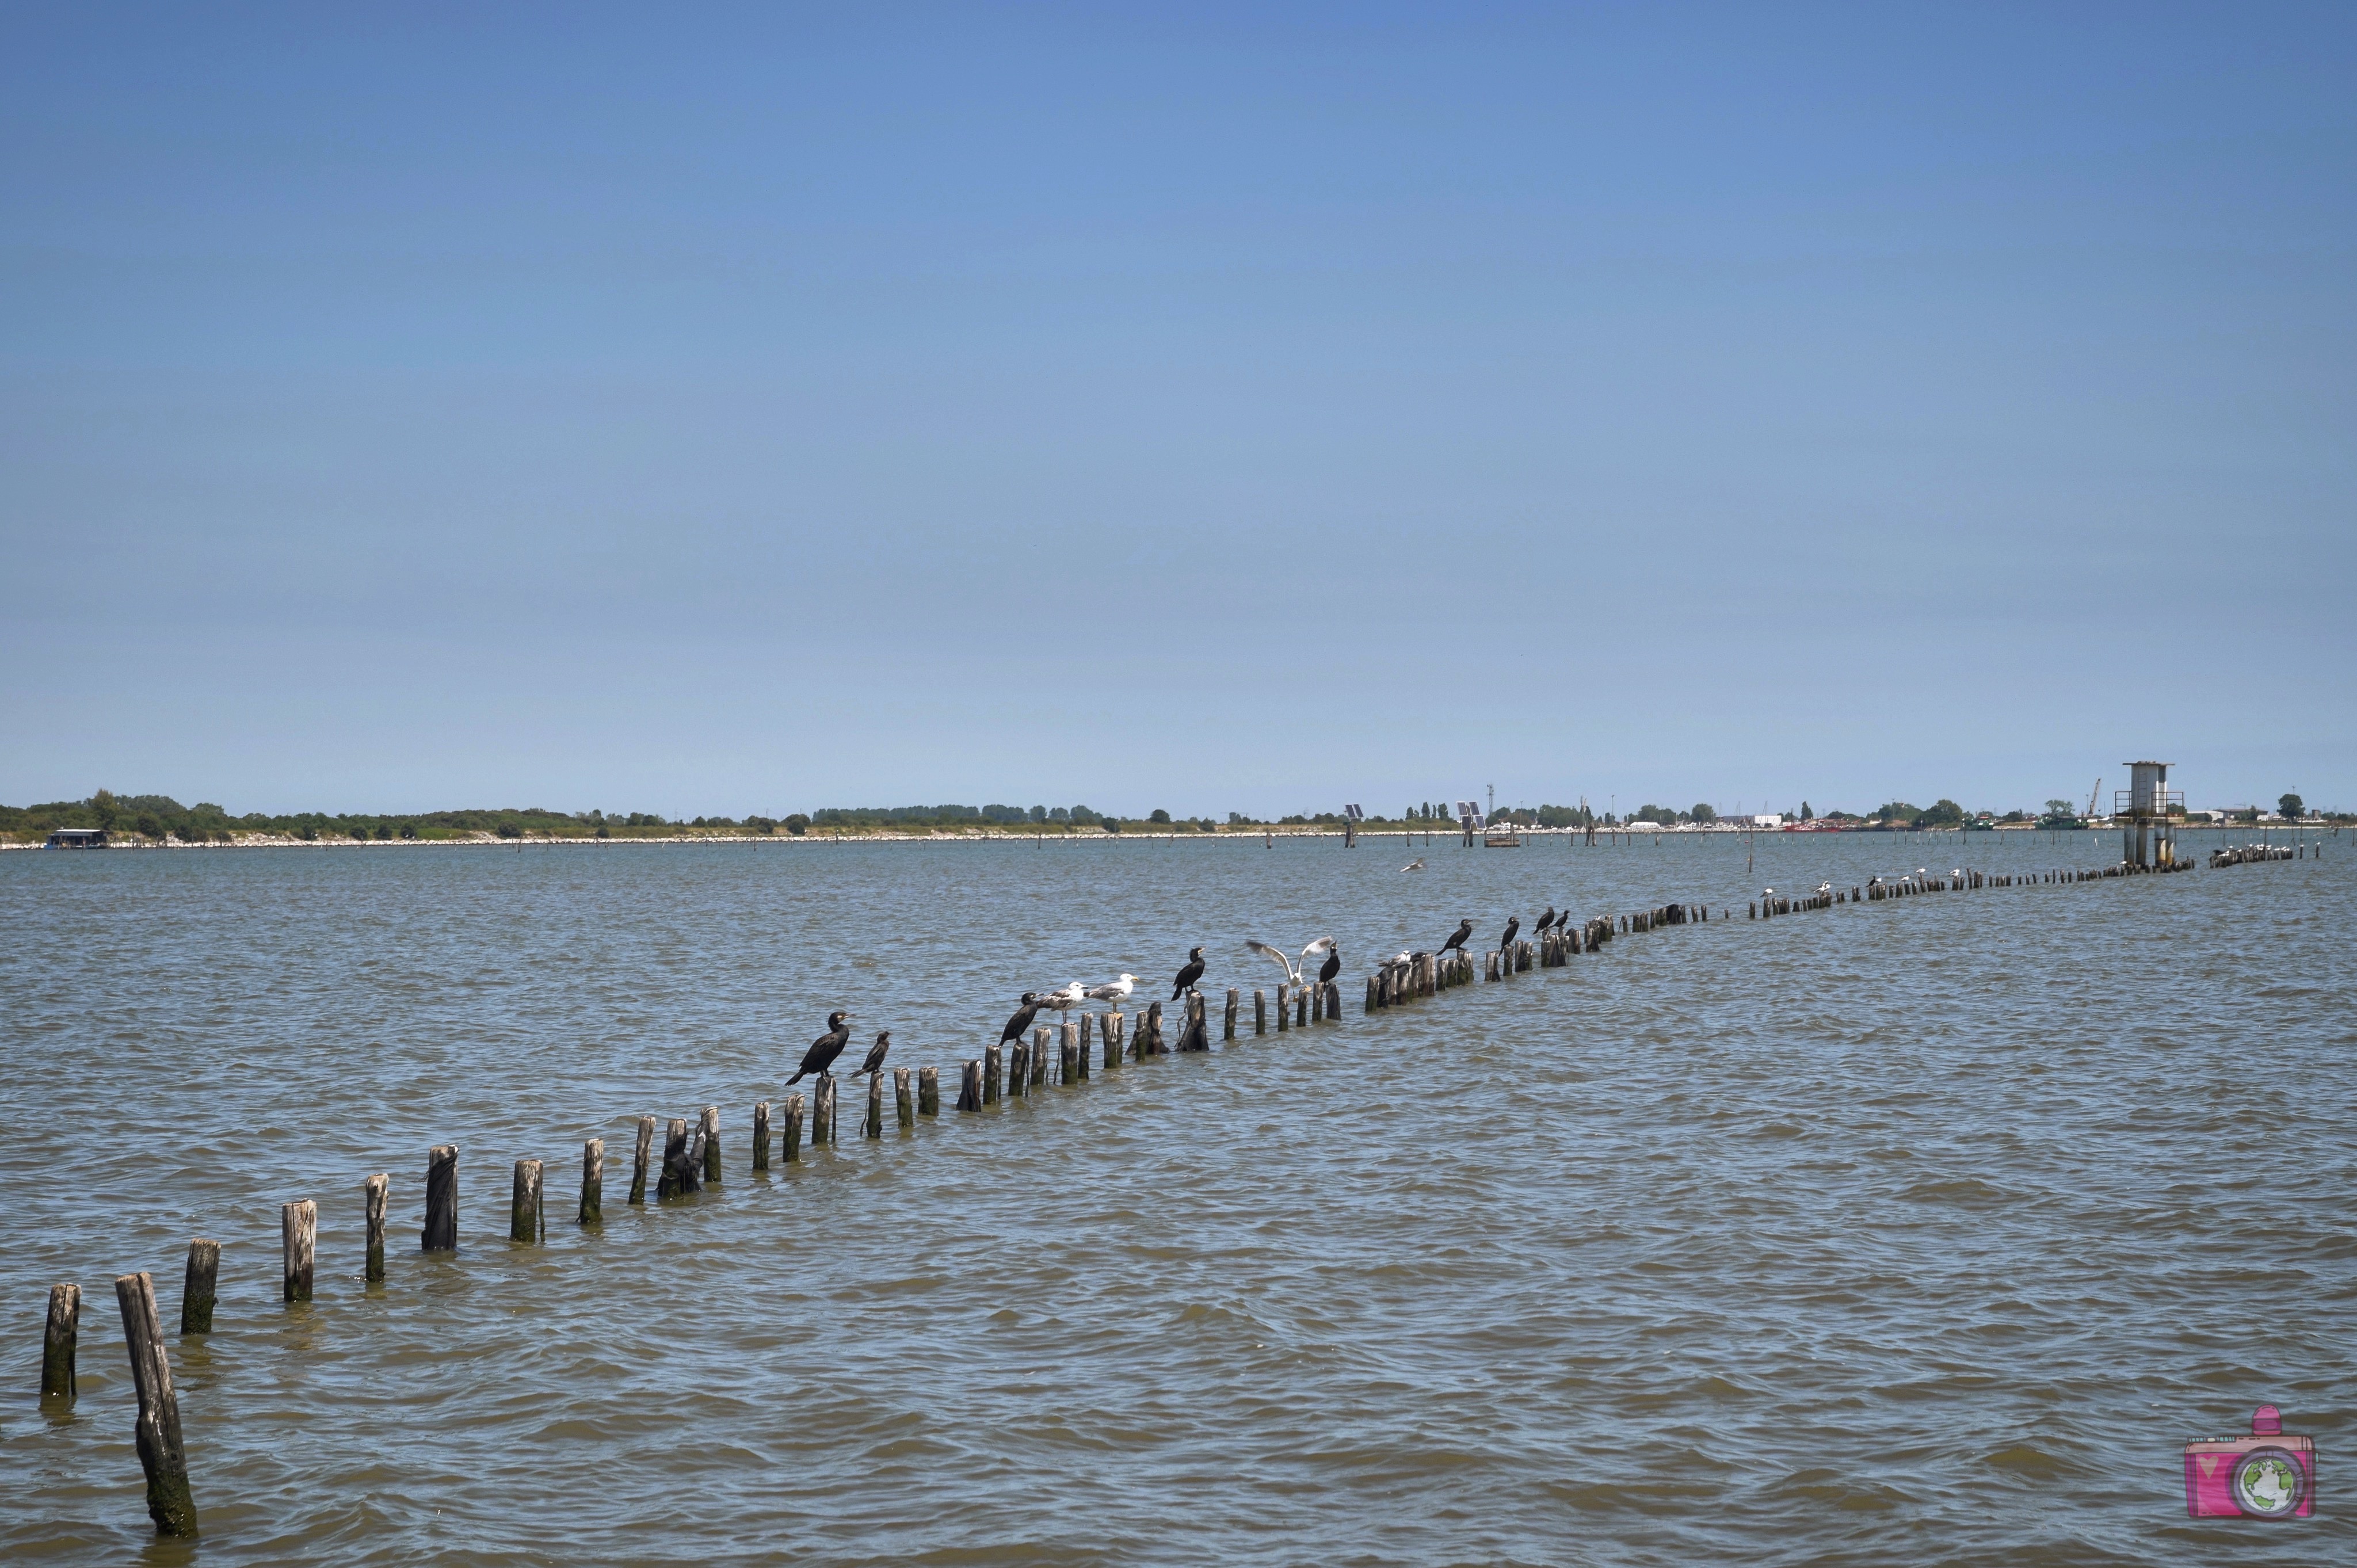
1456 938
1022 1019
1331 967
875 1061
825 1049
1545 921
1513 924
1188 975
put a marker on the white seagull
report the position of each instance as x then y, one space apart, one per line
1416 864
1065 1001
1115 991
1292 970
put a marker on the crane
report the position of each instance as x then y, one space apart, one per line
2091 797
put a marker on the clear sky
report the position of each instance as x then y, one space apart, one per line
697 411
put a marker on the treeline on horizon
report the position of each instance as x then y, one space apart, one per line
160 817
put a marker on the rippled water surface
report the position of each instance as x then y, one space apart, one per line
1925 1231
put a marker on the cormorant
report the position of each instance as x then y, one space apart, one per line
1022 1019
825 1049
1513 924
1331 967
1545 921
875 1061
1188 975
1456 938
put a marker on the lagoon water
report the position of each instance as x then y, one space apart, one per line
1918 1232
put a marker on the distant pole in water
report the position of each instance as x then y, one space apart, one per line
60 1336
299 1226
372 1196
197 1285
638 1162
441 1232
593 1183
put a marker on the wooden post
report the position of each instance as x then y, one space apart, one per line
441 1233
991 1070
58 1338
1149 1038
197 1285
929 1091
1373 991
872 1125
1018 1070
1301 1007
1333 999
1068 1053
1260 1011
298 1230
373 1196
762 1135
690 1164
157 1429
1283 1007
1040 1056
523 1207
711 1145
668 1186
823 1114
970 1087
904 1106
1228 1030
593 1183
1085 1043
792 1151
639 1161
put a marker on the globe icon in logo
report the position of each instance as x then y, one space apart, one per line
2269 1482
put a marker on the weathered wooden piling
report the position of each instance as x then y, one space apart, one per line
199 1285
1040 1056
711 1145
593 1183
372 1196
991 1070
441 1231
1374 988
1260 1011
646 1131
524 1217
1228 1022
761 1134
789 1148
1018 1070
156 1429
1333 999
970 1085
904 1100
670 1185
60 1336
299 1234
872 1124
1149 1038
823 1126
1283 1008
929 1091
1068 1054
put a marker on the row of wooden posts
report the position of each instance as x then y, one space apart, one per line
692 1158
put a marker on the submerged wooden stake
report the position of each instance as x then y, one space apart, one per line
1236 1002
822 1114
593 1182
793 1138
298 1227
58 1338
1040 1056
373 1196
904 1108
198 1284
156 1429
1115 1028
639 1161
992 1068
970 1087
929 1091
762 1135
871 1126
671 1184
441 1232
711 1145
1260 1011
1283 1007
523 1207
1018 1070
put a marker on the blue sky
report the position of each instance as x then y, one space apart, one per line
1226 410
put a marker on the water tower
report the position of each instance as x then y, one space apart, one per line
2148 811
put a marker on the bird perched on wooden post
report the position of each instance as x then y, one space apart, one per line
1545 921
1513 924
875 1062
1022 1019
1456 938
1333 964
825 1049
1188 975
1066 999
1115 990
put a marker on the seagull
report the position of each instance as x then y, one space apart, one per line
824 1049
1115 990
1456 938
1065 1001
1292 970
1188 975
1022 1019
1513 924
1416 864
875 1062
